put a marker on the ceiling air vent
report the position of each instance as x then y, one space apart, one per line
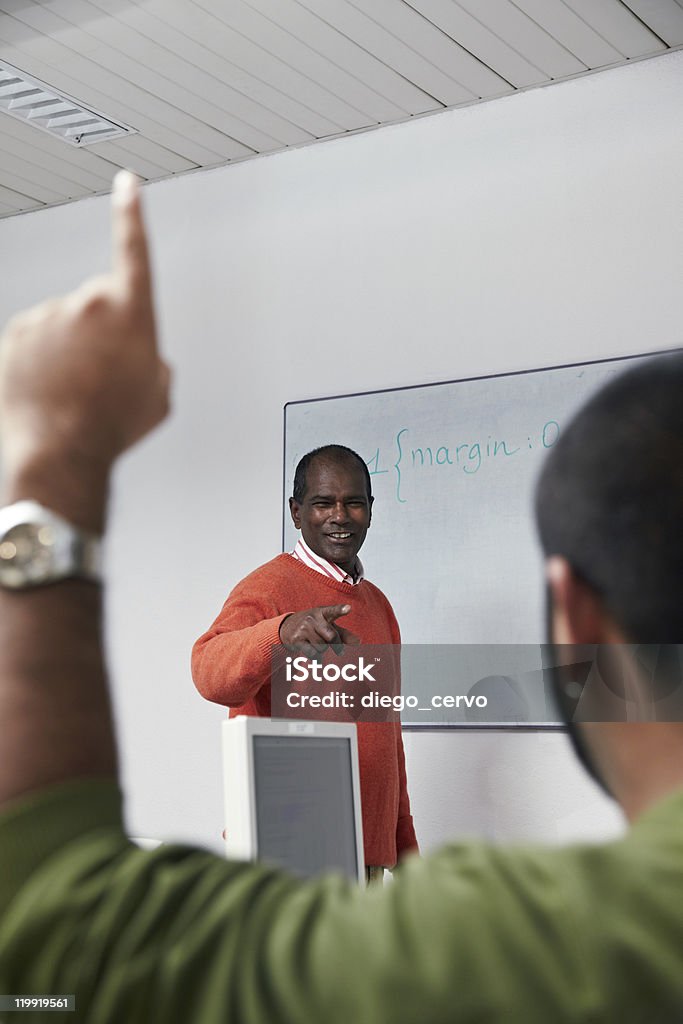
36 103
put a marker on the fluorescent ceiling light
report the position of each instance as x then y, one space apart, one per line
39 105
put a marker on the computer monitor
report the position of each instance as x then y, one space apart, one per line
292 795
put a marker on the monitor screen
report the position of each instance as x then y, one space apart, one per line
305 818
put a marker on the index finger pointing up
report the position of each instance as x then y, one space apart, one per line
130 257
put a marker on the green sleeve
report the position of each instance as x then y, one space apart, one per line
178 935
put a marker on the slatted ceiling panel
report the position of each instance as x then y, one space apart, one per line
16 201
212 125
203 157
185 75
575 34
338 63
277 60
434 45
371 36
480 41
87 161
37 175
410 30
29 57
665 17
24 184
145 169
45 59
11 143
79 77
618 25
203 82
179 42
216 122
255 33
506 19
38 17
146 150
290 65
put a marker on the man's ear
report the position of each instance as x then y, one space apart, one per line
579 616
370 511
294 511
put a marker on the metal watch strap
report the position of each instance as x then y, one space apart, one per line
87 549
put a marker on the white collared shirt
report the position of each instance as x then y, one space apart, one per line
303 553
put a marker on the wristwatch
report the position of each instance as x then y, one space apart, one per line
38 546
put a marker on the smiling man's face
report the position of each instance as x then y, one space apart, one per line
335 513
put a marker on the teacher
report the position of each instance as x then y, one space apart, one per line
297 599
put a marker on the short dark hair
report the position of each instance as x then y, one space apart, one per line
610 499
338 453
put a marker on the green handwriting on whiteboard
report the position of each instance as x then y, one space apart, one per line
467 456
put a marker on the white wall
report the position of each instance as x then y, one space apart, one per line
537 229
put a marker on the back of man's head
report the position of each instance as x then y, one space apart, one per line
610 499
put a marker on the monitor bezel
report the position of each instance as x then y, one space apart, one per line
239 788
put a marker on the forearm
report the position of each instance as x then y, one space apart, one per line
54 705
229 666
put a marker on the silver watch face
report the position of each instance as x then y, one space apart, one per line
27 554
39 546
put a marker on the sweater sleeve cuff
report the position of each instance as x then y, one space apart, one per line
271 635
39 824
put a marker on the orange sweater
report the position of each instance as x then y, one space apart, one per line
231 666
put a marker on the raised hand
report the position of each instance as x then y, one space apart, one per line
81 378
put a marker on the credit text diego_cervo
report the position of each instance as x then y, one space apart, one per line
397 702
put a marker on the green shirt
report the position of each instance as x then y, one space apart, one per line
471 933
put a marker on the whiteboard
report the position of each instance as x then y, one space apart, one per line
453 466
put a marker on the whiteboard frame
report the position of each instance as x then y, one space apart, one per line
625 360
